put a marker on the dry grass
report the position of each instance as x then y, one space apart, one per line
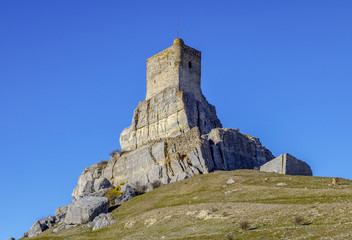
185 210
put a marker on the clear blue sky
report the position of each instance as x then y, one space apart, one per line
72 72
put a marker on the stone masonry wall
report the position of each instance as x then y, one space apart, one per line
177 66
163 70
190 72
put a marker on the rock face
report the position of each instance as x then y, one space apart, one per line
40 226
175 133
60 213
85 209
169 113
287 164
36 229
91 181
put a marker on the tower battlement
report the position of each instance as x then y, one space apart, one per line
177 66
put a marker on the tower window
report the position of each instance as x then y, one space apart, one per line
190 65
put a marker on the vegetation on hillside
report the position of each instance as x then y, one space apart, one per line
257 205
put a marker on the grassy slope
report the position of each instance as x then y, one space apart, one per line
198 208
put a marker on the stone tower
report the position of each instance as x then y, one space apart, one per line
174 102
178 66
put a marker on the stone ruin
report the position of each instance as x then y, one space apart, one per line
287 164
175 133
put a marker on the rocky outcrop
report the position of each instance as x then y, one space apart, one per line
36 229
93 182
85 209
176 158
287 164
40 226
170 113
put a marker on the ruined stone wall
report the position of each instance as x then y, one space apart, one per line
287 164
276 165
296 166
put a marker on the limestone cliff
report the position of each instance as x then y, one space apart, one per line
175 133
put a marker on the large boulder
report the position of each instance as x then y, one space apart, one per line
103 220
85 209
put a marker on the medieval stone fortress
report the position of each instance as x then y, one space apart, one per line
175 134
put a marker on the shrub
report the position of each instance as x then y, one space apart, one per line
114 152
156 184
298 220
122 183
335 181
113 194
139 188
244 225
229 237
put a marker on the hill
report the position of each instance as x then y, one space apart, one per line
208 207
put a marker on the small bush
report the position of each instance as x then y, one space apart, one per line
41 218
114 152
122 183
156 184
298 220
229 237
139 188
113 194
214 210
335 181
244 225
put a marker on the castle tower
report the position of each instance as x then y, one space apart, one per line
174 102
177 66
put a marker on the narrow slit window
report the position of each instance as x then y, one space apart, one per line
190 65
